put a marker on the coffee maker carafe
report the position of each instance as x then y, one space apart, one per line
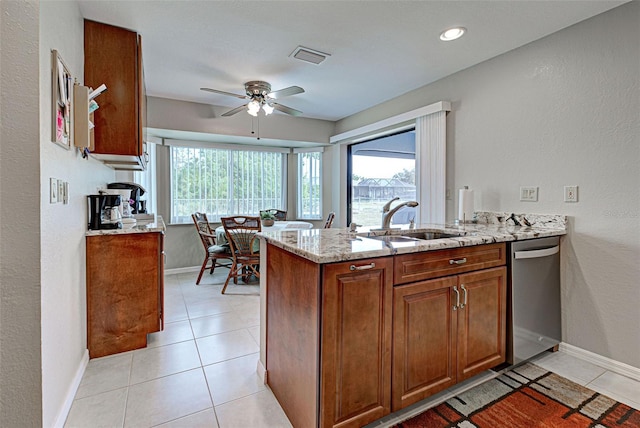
104 212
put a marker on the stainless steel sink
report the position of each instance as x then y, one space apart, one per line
393 238
430 235
413 236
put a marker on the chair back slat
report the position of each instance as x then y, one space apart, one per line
202 224
329 222
241 233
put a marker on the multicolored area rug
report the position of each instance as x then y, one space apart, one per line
527 396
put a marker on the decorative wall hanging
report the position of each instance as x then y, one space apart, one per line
61 102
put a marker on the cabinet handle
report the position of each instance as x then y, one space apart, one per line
455 289
464 303
458 262
363 267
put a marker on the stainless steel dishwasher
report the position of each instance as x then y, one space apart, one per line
535 297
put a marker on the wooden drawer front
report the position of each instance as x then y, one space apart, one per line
433 264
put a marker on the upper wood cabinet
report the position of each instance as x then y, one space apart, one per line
113 56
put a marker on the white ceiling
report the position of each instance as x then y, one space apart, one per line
379 49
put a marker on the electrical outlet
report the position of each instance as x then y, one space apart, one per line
529 194
571 193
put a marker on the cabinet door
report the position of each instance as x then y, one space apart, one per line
481 321
356 342
123 299
111 57
424 348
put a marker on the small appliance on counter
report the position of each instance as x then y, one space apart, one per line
136 191
104 212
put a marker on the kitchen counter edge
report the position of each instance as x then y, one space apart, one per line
336 245
142 226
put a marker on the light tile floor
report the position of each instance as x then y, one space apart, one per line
201 370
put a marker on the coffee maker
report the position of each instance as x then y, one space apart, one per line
104 212
137 206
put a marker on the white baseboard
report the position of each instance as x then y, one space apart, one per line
71 392
262 372
182 270
604 362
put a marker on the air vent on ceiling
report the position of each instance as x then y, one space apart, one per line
309 55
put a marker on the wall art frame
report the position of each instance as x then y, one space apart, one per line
61 102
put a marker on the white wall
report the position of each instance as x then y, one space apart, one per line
20 379
63 227
564 110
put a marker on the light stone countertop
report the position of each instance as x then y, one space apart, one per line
335 245
144 224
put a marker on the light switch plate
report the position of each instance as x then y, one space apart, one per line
60 191
571 193
529 193
65 199
53 190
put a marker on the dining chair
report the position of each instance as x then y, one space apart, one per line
329 222
212 252
280 215
241 235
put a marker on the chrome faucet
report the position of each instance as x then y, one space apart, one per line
388 214
387 206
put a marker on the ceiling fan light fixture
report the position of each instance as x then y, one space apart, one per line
253 107
452 34
268 108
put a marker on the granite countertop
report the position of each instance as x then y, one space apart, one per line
144 224
335 245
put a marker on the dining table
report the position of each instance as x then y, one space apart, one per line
221 237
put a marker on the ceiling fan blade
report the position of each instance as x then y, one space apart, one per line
215 91
235 110
285 109
291 90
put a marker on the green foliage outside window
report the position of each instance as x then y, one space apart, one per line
224 182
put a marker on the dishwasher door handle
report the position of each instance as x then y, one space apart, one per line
534 254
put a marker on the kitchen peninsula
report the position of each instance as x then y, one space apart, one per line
359 325
125 286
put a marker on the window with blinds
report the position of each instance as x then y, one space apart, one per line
309 185
224 182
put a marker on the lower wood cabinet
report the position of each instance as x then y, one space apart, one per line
345 347
446 330
356 342
125 291
329 339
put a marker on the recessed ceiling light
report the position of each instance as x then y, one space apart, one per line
452 33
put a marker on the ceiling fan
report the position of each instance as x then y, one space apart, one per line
260 96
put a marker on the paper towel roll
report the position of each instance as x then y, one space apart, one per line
465 204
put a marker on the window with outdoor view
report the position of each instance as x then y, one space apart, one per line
309 185
379 171
223 182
